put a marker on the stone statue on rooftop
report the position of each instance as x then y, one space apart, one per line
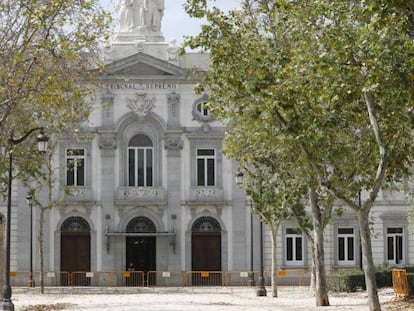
140 15
154 14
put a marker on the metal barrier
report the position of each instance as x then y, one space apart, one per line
204 278
166 278
50 278
134 278
81 278
53 278
20 278
239 278
292 277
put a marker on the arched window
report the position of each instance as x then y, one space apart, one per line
141 224
206 224
140 161
75 224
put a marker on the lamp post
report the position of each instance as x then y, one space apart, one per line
42 139
260 290
29 201
251 279
239 182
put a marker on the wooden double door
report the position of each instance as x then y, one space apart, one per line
206 258
75 258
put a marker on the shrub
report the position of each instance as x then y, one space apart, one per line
383 278
410 281
346 282
353 280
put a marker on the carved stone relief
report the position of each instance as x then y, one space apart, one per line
141 105
173 101
174 143
107 107
107 142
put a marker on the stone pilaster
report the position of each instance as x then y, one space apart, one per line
107 144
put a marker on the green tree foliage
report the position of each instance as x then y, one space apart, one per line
274 199
329 84
47 51
47 48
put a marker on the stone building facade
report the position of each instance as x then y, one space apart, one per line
150 186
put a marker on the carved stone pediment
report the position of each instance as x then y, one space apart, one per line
141 64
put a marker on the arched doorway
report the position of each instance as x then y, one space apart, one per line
75 255
206 251
141 248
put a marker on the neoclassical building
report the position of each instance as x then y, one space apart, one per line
150 186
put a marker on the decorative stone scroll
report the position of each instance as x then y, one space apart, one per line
200 112
174 143
107 142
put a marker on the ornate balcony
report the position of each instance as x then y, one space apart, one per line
206 195
79 194
156 195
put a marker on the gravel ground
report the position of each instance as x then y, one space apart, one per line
191 299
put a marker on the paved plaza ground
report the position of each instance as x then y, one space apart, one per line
191 299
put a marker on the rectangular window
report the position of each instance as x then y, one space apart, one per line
395 250
294 247
206 167
75 167
131 167
346 246
140 166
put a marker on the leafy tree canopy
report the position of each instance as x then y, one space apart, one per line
47 48
296 76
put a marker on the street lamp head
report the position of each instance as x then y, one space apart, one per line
29 199
239 178
42 141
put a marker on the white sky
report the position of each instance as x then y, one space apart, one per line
176 23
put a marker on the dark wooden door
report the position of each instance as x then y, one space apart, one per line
206 257
141 252
75 256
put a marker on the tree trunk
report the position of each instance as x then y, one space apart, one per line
312 286
367 260
41 223
321 292
2 250
274 229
